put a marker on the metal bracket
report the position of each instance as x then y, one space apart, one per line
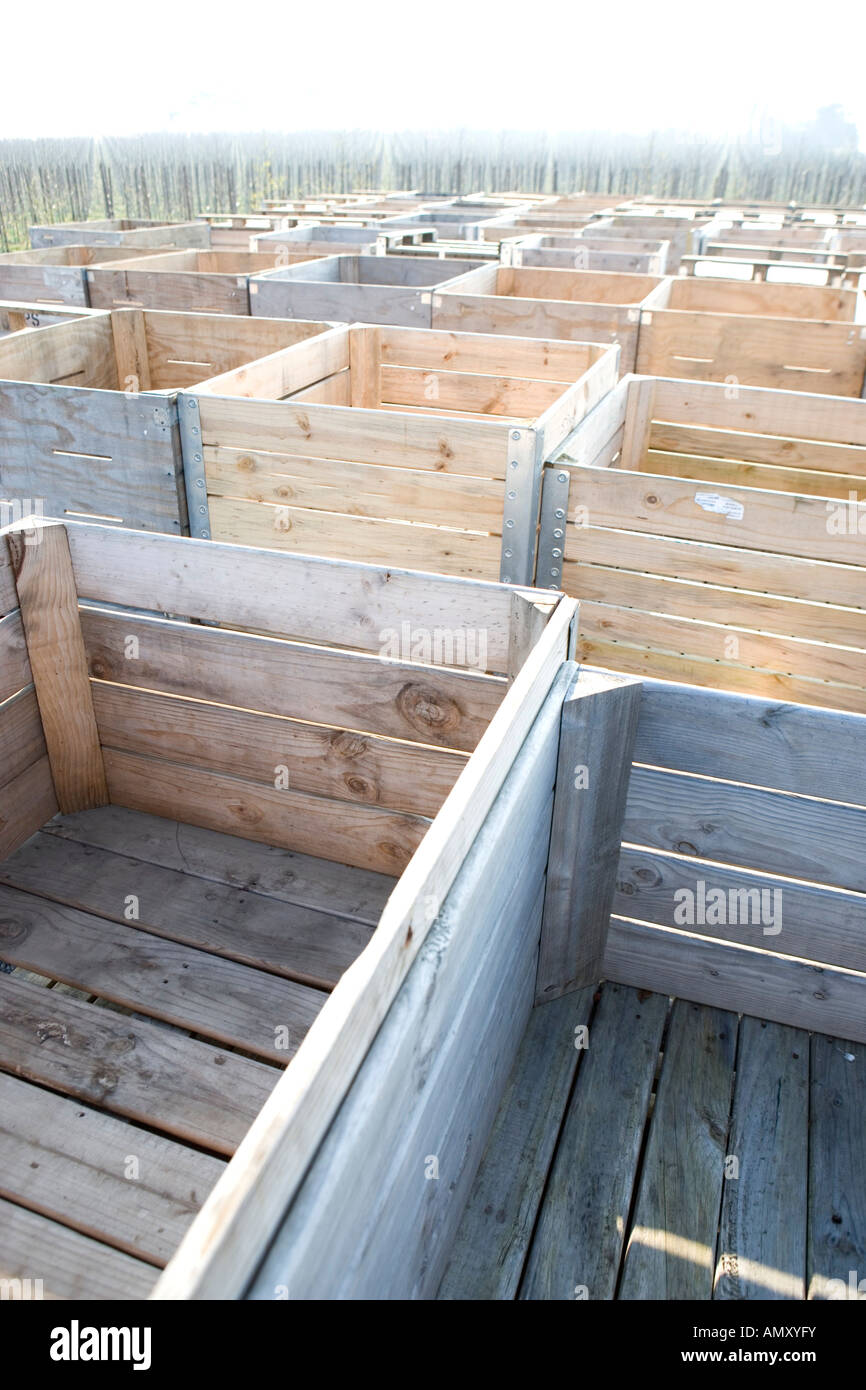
554 515
520 508
192 451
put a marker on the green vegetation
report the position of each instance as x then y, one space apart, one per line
177 176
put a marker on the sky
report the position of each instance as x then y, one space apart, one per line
427 64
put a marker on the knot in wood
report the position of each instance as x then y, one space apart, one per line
428 711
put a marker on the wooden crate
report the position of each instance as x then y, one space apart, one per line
88 409
723 261
215 282
321 240
393 445
356 289
711 537
585 306
243 818
795 337
121 231
56 275
555 251
682 232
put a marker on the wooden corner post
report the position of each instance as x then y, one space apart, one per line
39 552
599 720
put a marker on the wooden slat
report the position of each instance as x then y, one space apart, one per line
741 825
300 529
80 353
130 349
207 994
360 835
582 1226
728 473
761 1252
69 1162
779 449
489 1249
356 489
599 718
789 747
70 1265
130 1066
26 803
400 699
326 761
836 1254
772 521
297 942
453 390
456 446
279 374
353 604
736 977
553 360
253 1198
672 1240
15 672
265 871
21 739
365 365
49 611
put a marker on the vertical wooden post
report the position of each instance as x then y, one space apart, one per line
49 611
640 404
130 350
599 720
365 363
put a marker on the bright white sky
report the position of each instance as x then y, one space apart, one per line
426 64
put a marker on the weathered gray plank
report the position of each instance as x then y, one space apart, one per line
263 870
298 942
578 1242
672 1240
836 1260
68 1264
368 1222
599 718
490 1246
71 1163
761 1249
220 999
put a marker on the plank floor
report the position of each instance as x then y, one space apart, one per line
670 1151
154 980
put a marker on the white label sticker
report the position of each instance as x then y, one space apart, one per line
725 506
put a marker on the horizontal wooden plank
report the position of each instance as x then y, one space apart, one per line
22 741
296 528
760 475
130 1066
552 360
705 562
354 604
217 998
26 803
264 871
70 1266
356 489
734 977
756 519
291 940
781 450
757 909
364 836
69 1162
282 373
184 349
677 598
454 446
449 389
424 703
740 825
792 414
751 740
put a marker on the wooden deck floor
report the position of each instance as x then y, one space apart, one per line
685 1153
155 978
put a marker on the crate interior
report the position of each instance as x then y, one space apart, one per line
577 286
158 350
210 262
766 300
76 255
397 271
164 953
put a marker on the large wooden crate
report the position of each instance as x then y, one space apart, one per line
684 233
791 336
393 445
585 306
88 409
268 846
56 275
556 251
356 289
321 239
215 282
122 231
716 536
